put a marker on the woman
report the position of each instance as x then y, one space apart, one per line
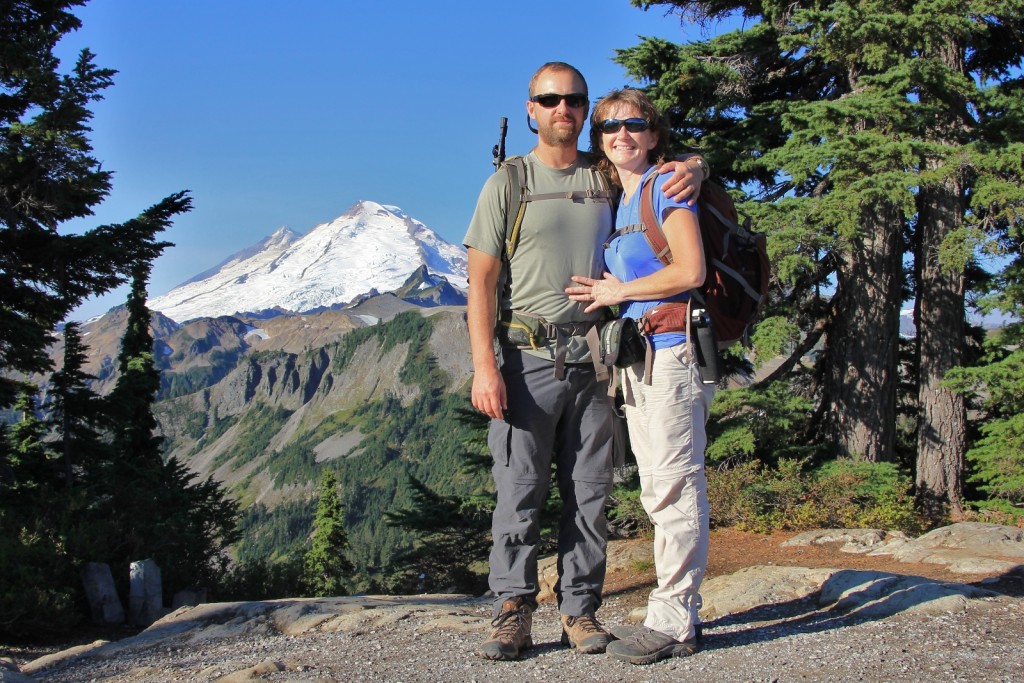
666 412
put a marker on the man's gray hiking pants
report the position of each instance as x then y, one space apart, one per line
563 423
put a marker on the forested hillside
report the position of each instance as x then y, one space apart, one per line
377 407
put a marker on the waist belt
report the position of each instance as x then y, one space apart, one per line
673 316
522 329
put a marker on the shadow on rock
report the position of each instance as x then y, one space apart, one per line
842 598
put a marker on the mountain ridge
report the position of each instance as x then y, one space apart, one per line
372 247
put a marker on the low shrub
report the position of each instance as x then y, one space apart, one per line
625 512
839 494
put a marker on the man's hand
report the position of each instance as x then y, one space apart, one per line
684 185
489 392
489 395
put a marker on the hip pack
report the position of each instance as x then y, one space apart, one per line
524 330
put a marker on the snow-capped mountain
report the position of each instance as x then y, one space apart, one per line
370 247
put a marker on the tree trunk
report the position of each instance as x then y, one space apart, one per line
939 317
942 415
861 361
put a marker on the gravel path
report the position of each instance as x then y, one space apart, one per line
792 642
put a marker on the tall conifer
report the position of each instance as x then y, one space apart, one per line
327 570
869 132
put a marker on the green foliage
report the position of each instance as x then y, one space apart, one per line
326 570
76 411
198 523
407 327
275 535
219 427
759 422
257 427
998 511
864 135
625 512
775 337
37 585
420 435
452 542
839 494
54 509
263 579
997 457
95 488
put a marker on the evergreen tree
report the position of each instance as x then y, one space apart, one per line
76 412
153 508
453 540
868 131
138 381
132 478
198 525
997 456
37 591
28 463
48 176
326 567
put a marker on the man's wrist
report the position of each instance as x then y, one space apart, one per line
702 164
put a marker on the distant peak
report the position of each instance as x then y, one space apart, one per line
366 207
282 236
283 231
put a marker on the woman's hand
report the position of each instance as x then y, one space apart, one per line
605 292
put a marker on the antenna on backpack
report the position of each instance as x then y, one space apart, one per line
499 149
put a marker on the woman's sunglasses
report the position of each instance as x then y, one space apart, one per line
632 125
551 100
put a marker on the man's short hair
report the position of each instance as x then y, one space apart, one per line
557 66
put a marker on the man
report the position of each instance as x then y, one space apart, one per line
543 397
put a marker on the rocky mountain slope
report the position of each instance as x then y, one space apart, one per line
290 369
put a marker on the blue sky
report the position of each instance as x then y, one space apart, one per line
274 116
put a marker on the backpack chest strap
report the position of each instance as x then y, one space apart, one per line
629 229
577 195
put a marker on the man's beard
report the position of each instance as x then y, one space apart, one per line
558 137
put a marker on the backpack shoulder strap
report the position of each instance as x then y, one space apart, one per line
515 167
520 196
652 223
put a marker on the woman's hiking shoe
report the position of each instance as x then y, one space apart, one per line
585 634
511 632
623 631
647 646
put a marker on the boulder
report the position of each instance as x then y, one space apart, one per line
105 607
145 595
965 548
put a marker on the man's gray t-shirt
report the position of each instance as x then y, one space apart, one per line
559 238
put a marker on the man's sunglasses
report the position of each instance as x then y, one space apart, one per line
632 125
551 100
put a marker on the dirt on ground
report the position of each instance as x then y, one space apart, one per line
732 550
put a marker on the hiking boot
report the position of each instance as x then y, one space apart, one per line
647 646
511 631
585 634
624 631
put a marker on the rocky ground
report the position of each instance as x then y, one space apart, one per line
810 613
